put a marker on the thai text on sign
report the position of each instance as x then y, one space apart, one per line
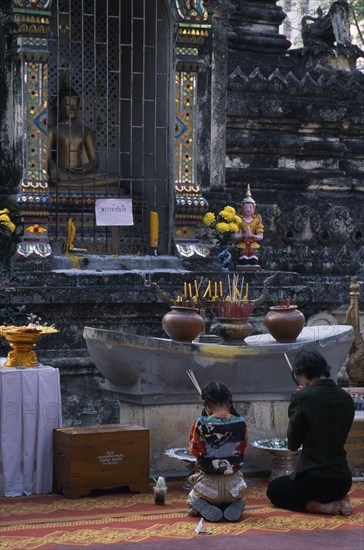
114 212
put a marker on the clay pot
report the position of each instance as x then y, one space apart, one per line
233 329
284 323
183 324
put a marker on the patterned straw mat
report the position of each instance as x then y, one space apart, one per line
110 520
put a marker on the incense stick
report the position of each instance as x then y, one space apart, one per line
192 377
288 362
241 290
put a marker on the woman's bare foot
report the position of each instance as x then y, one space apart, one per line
345 506
331 508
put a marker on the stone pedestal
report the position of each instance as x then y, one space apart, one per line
170 426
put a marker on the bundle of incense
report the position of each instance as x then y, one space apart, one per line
192 377
235 310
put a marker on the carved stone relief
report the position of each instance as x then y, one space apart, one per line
307 239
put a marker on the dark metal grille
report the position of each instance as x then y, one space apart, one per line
116 55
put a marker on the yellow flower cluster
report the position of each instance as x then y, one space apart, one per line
5 220
227 221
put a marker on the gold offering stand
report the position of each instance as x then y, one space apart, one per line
23 340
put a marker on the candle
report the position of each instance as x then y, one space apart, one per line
221 289
209 289
215 293
154 229
246 291
196 288
206 292
185 290
190 289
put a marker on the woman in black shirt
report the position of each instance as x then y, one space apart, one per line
320 417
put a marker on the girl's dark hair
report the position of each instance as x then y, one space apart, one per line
312 364
217 393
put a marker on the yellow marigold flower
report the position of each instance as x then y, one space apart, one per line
5 211
5 220
222 227
209 218
233 227
8 224
237 220
230 209
228 216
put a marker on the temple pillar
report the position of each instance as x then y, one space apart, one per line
190 49
218 97
27 29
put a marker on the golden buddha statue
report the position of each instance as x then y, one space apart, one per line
72 156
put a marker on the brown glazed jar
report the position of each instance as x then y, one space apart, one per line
233 329
183 324
284 323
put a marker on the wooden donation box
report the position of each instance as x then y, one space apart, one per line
97 457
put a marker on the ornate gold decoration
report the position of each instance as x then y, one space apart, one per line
23 340
355 366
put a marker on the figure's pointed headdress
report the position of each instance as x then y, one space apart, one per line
248 197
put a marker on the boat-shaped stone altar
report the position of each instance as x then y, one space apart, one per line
149 370
148 377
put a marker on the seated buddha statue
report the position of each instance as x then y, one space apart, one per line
72 156
251 232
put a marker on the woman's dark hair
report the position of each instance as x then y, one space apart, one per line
216 392
312 364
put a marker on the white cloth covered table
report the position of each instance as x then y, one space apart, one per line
30 400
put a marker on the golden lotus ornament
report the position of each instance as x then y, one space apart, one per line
23 340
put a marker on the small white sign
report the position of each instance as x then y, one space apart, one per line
110 458
114 212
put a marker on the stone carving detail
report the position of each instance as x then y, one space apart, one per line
341 224
306 240
307 222
314 82
325 31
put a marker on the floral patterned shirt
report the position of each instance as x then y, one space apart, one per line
219 442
